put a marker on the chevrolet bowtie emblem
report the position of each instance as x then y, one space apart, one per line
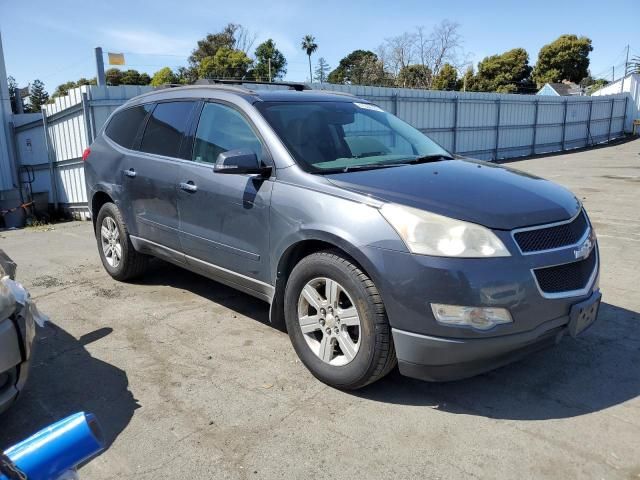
585 249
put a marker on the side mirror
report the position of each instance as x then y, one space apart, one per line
240 161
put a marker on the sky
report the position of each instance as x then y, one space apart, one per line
54 41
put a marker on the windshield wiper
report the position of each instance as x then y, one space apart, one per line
373 166
429 158
354 168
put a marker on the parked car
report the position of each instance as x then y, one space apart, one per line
17 331
370 241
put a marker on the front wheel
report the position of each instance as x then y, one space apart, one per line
337 322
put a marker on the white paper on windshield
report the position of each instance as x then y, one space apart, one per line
368 106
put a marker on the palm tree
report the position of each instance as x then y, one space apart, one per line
309 45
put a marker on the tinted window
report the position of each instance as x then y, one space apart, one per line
221 129
334 136
165 128
124 126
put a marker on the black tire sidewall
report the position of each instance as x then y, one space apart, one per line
110 210
361 367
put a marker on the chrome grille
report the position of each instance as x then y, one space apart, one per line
556 236
568 277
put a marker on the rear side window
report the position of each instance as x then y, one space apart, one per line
125 124
166 127
221 129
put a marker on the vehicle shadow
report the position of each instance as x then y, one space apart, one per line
579 376
65 379
166 274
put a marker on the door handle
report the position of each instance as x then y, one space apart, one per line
188 186
129 173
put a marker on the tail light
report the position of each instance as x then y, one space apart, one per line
85 154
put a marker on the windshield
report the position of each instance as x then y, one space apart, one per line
325 137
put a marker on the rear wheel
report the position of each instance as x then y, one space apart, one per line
337 322
118 256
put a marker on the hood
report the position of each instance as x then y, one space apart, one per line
479 192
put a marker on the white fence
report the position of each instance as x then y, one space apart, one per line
481 125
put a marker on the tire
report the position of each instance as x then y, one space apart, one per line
351 356
130 263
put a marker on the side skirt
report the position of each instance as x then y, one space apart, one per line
248 285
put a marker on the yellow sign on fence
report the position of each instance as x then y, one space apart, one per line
116 58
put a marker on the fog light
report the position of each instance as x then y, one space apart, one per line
476 317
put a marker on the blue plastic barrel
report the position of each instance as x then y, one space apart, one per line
58 448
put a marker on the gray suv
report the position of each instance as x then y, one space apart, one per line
372 244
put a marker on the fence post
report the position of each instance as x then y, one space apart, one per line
613 102
394 99
535 127
50 156
497 129
624 117
455 124
87 120
589 123
564 124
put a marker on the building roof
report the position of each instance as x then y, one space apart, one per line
565 88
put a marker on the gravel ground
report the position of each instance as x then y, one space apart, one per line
191 382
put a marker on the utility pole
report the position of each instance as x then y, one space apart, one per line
613 74
270 71
626 62
100 67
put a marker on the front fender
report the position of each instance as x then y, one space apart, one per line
299 215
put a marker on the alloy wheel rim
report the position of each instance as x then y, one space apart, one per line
111 246
329 321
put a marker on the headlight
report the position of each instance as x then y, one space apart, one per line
430 234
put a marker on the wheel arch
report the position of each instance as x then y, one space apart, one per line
312 242
98 199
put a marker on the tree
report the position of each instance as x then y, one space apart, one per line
414 76
446 79
64 88
113 76
226 63
164 76
38 96
13 85
86 81
187 75
566 58
590 85
374 73
468 80
133 77
351 68
428 50
309 45
267 52
322 70
504 73
233 36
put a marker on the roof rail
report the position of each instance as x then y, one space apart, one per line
298 87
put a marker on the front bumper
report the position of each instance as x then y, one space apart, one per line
429 350
444 359
16 342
